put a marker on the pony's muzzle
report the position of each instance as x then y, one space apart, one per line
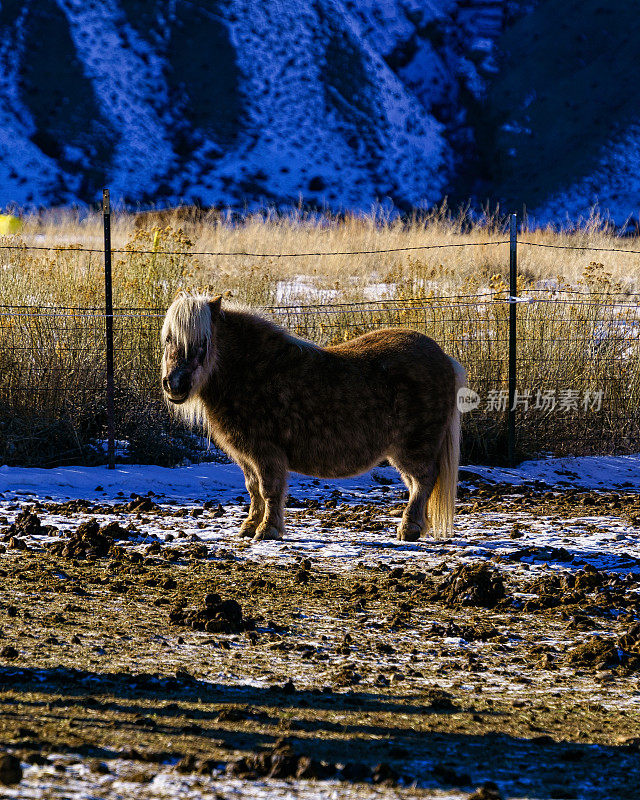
176 386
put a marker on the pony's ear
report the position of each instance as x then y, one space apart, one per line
214 307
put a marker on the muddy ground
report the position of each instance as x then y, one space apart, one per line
146 651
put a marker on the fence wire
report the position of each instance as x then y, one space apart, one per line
578 373
159 251
132 251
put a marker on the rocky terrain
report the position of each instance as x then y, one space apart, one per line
146 650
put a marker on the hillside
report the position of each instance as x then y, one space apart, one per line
238 102
333 103
558 130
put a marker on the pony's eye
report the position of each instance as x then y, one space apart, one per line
197 352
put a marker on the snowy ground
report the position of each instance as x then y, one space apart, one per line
388 663
605 542
223 482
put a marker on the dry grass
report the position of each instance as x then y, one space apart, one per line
441 270
589 344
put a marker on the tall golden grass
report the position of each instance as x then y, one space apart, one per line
441 269
458 295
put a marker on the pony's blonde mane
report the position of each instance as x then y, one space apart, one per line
194 414
188 321
188 324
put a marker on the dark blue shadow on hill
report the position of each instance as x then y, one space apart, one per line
70 126
563 93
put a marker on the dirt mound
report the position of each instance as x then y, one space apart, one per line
595 653
215 616
439 700
347 675
27 523
283 762
142 504
594 591
630 641
280 762
548 554
488 791
113 530
587 578
474 584
469 631
77 506
89 540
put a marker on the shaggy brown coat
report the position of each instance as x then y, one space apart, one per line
276 403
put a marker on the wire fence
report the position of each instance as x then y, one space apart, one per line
53 248
553 371
577 367
213 253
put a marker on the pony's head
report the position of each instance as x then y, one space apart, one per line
189 345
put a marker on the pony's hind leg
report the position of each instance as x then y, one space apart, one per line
420 482
272 477
256 509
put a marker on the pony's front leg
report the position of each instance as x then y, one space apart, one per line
273 485
256 509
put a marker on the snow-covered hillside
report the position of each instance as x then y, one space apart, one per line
558 129
338 103
613 187
342 103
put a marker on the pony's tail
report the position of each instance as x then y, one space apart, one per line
442 501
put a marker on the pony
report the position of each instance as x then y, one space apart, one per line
275 402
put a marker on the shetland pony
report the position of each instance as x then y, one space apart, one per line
274 402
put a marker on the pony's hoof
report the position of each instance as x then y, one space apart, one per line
247 530
409 531
267 532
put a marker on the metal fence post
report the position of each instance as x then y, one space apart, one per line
513 293
108 302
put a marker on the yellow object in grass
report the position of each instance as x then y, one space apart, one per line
9 224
